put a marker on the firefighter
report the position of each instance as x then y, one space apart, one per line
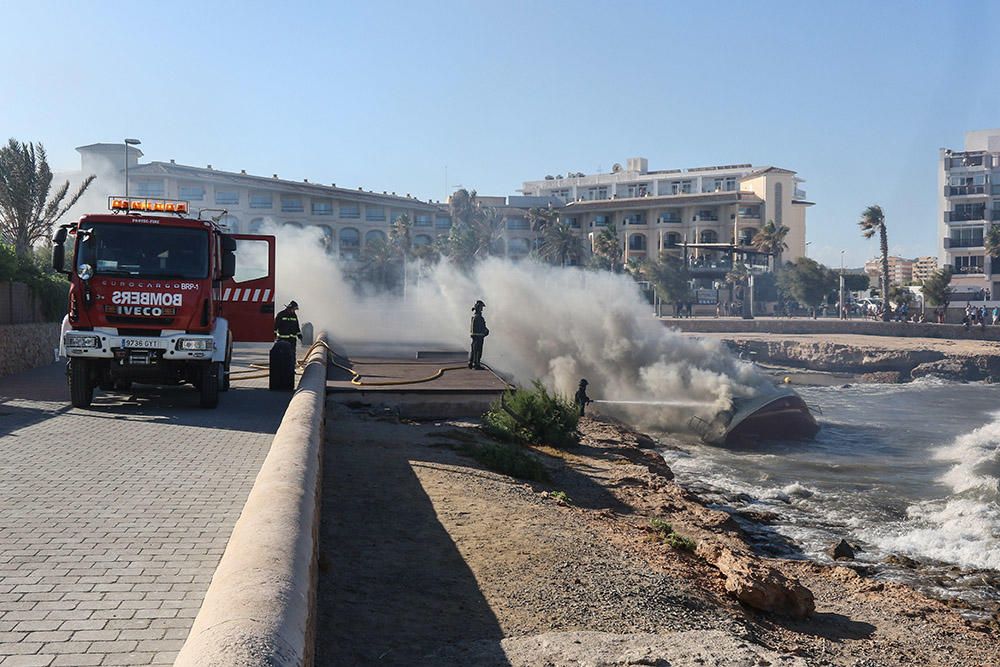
286 325
581 399
479 332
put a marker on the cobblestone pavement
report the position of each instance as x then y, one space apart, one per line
113 519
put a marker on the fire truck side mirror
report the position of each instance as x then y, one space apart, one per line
59 250
228 257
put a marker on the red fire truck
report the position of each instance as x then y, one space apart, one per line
158 297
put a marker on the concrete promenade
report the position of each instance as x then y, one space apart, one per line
113 519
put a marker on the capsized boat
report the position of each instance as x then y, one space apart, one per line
780 414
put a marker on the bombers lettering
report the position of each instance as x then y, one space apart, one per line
146 299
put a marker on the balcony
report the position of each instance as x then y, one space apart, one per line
963 243
706 218
964 190
967 160
978 213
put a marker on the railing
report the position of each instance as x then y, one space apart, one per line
706 218
965 216
964 190
964 243
800 194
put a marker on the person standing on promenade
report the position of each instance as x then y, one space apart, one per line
581 399
479 332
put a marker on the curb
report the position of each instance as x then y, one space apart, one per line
259 608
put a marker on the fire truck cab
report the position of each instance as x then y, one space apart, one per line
157 297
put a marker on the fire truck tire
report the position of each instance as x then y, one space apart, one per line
81 388
210 384
123 385
226 369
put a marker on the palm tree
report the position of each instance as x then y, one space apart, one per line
541 217
770 239
25 182
608 248
381 260
873 222
560 243
992 241
400 236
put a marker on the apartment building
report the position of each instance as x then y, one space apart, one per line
968 202
900 270
924 268
656 210
347 219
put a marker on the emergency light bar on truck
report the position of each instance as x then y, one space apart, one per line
147 205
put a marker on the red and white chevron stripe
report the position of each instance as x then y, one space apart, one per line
246 294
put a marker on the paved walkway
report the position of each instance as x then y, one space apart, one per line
113 519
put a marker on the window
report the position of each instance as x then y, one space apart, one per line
350 211
251 260
680 187
375 236
634 219
147 188
747 234
261 200
350 243
423 220
707 214
190 192
637 243
730 183
442 222
322 207
670 216
174 252
597 193
966 237
637 190
518 247
973 264
518 222
227 197
375 213
749 211
600 221
292 204
672 240
777 203
573 222
709 236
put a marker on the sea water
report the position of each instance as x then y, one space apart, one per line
909 470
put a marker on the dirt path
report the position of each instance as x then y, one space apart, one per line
429 559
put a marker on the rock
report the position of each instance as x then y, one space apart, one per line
902 561
758 585
954 368
881 377
843 550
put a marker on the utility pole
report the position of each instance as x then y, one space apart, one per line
840 305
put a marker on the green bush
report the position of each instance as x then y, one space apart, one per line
34 270
507 459
533 416
666 534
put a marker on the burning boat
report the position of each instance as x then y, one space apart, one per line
779 414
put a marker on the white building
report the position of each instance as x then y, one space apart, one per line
347 219
968 202
663 209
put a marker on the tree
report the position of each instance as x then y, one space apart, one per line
27 213
992 241
400 237
856 282
873 222
670 277
541 217
900 295
560 244
937 288
608 249
807 281
771 240
381 264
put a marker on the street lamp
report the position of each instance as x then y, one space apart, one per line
806 248
128 142
842 314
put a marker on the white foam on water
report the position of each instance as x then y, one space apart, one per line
963 528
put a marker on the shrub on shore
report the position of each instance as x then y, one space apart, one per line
533 416
666 534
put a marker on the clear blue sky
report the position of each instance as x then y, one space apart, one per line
855 96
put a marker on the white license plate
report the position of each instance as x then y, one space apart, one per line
144 344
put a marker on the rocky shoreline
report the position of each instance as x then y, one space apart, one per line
608 562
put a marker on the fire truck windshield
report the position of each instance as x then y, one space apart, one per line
150 252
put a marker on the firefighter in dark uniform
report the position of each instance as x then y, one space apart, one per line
479 332
581 399
286 325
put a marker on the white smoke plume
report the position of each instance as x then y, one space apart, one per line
554 324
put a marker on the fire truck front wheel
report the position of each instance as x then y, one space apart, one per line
211 380
81 385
